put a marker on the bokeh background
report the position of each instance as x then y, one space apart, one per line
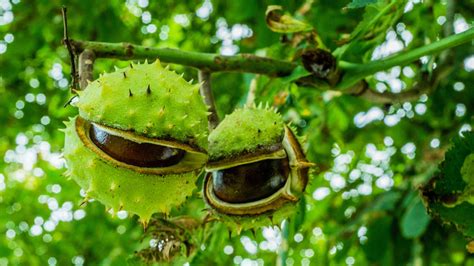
361 207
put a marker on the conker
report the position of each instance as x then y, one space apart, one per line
250 182
130 152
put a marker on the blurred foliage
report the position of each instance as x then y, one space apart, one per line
361 207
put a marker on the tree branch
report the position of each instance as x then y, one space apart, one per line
252 90
86 67
352 78
356 72
67 43
425 86
204 61
206 93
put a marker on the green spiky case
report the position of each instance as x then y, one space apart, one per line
147 100
245 131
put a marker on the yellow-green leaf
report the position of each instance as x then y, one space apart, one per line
283 23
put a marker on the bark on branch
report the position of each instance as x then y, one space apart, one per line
353 75
206 93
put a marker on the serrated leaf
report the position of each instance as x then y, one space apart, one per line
361 3
283 23
452 180
447 195
461 216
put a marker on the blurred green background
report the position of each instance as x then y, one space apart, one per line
362 207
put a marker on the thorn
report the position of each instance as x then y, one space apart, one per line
70 101
230 235
130 94
148 89
146 61
182 75
167 67
131 65
144 224
253 233
84 202
162 111
239 229
121 207
191 81
124 75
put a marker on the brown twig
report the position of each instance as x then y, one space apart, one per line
206 93
252 90
86 67
70 49
425 85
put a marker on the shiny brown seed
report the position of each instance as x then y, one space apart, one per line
138 154
250 182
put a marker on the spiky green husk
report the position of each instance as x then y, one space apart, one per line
148 100
120 188
245 131
238 223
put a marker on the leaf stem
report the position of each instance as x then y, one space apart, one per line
285 235
356 72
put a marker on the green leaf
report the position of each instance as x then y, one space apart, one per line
371 30
415 220
447 195
386 201
299 217
461 216
297 73
453 162
361 3
467 170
